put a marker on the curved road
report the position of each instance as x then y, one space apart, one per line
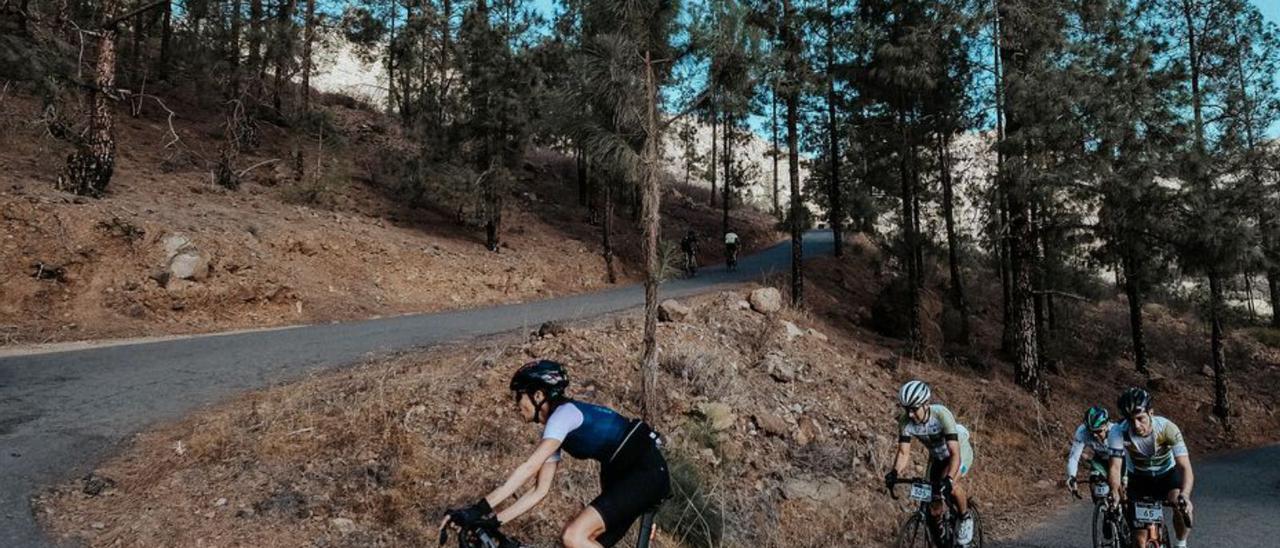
1237 500
61 412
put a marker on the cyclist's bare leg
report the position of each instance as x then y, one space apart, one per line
1141 536
962 498
583 530
1179 527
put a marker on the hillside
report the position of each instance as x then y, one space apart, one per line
779 426
167 251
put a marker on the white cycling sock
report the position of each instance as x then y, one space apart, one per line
1180 543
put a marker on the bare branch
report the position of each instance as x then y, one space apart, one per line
256 166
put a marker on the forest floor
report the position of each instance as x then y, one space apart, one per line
166 251
780 426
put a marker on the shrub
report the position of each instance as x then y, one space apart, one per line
689 515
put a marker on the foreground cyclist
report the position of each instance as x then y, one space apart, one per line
633 474
951 456
1091 434
1160 465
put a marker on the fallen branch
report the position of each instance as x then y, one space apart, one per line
255 166
1064 294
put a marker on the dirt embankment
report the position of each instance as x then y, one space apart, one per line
167 251
780 426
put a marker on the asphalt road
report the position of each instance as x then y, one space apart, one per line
1237 503
62 412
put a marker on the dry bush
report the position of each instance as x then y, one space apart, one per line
690 515
704 373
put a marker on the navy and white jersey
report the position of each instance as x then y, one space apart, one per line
586 431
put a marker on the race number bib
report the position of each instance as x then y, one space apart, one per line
1148 512
1101 490
922 492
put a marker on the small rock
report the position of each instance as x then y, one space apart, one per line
791 330
770 424
766 300
220 502
190 264
817 334
743 305
98 525
175 243
94 484
1207 371
1044 484
343 525
672 311
778 368
552 329
719 415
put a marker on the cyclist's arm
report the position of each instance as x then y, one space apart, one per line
521 475
1073 458
1115 442
1188 477
903 457
533 496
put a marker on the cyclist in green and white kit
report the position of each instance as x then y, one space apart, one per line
1092 434
950 455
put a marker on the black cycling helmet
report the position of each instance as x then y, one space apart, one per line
1133 400
1096 417
545 375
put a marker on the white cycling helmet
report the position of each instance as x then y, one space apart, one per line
914 394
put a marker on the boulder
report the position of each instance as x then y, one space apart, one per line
551 329
792 330
672 311
766 300
778 368
189 264
825 490
718 415
770 424
343 525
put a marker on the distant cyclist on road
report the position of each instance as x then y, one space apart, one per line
731 249
1091 434
689 245
633 473
951 456
1159 463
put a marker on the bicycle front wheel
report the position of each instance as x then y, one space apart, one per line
914 533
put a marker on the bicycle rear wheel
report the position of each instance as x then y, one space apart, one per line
977 527
914 533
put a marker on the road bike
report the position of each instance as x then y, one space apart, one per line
1109 527
490 537
690 264
732 258
1149 512
924 530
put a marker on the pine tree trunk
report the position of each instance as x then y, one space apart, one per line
727 132
791 42
166 40
1221 406
606 233
653 262
283 51
582 176
907 190
90 167
715 116
1273 289
777 209
953 245
836 207
233 51
1133 290
1022 252
308 38
253 65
